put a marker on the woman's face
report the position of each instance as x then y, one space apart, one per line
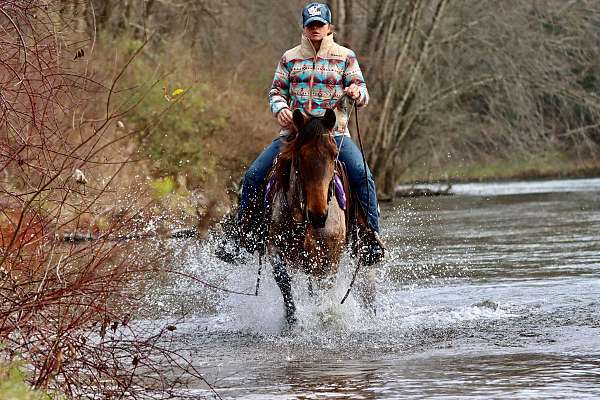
316 31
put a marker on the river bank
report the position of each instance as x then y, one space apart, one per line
551 166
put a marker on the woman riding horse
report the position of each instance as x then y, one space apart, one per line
313 77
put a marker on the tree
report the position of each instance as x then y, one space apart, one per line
478 78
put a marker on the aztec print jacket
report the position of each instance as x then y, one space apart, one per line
314 82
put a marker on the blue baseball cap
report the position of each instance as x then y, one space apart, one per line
316 12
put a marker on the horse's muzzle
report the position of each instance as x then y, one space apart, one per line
317 220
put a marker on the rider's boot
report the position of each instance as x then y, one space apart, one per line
252 232
244 229
228 248
371 250
367 244
247 233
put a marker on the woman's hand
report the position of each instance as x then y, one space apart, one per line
353 91
284 117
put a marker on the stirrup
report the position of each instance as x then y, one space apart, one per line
252 236
228 248
229 251
371 250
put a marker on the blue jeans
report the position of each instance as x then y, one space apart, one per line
350 155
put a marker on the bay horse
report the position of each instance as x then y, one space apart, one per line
308 227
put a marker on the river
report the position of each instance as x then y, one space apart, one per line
492 293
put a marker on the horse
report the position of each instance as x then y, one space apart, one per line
308 227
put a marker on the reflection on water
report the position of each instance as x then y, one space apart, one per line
515 375
492 293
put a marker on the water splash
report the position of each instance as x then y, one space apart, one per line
469 294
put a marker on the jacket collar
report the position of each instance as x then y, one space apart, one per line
308 49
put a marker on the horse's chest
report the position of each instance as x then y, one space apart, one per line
316 251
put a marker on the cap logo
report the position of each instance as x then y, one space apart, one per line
314 10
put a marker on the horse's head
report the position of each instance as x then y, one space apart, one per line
314 160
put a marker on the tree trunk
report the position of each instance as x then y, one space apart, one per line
338 9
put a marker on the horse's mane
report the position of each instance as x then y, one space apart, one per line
312 130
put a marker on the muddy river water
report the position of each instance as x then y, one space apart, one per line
492 293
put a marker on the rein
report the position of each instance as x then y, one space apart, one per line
368 199
336 105
354 108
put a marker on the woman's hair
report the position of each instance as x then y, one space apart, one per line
331 29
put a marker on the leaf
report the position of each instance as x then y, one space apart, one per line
177 92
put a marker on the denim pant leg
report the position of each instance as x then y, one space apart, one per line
367 194
256 174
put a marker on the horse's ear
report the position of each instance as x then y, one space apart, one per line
329 119
299 119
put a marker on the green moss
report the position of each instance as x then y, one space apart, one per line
552 25
162 187
590 82
13 385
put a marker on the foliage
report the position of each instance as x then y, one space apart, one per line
162 187
478 80
175 143
464 89
175 113
13 385
535 166
471 78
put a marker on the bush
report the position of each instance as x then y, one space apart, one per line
175 143
175 108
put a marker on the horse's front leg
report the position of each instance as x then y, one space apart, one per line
367 290
284 282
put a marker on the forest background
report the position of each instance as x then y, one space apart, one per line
128 119
460 90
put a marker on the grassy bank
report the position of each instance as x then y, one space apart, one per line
13 385
544 166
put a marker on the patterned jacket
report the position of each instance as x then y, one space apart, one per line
314 82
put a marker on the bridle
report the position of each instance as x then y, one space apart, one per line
299 187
